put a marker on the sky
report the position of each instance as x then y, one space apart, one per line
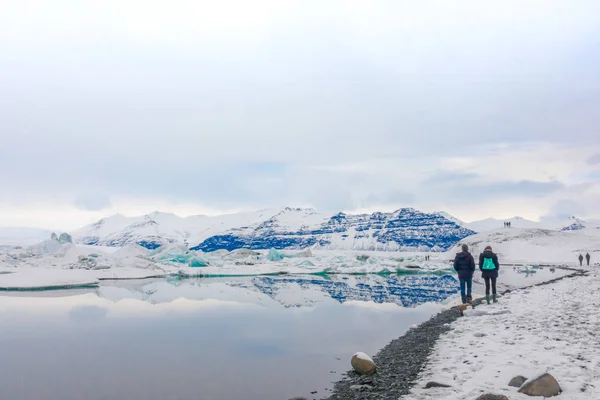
479 109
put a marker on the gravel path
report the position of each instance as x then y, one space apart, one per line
399 363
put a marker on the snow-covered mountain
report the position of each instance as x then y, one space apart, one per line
490 224
290 228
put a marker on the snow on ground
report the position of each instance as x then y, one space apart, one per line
514 245
551 328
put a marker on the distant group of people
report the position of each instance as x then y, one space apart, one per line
464 264
507 224
427 258
587 258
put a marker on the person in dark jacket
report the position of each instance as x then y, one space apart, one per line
587 258
489 266
581 260
464 264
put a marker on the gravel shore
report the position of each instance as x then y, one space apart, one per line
398 363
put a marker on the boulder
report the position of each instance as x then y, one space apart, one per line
432 384
490 396
363 364
517 381
543 386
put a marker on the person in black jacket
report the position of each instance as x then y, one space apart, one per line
464 264
489 266
581 260
587 258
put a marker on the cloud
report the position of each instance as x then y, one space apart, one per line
594 160
565 208
450 177
379 104
92 202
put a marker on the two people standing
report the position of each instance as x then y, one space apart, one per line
587 258
464 264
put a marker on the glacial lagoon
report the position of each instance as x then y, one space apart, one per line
272 337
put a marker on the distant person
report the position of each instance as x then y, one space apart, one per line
489 266
587 258
580 260
464 264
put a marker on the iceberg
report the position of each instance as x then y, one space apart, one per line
179 255
275 255
65 238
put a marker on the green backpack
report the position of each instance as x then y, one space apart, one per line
488 264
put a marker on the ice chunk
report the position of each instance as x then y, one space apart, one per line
180 255
196 262
53 236
306 263
46 278
46 247
274 255
65 238
305 253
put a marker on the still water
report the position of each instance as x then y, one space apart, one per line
243 338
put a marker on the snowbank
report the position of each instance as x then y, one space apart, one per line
543 329
535 246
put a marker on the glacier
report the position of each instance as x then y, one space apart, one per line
406 229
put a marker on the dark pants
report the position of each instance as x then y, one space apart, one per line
491 279
468 282
588 262
581 262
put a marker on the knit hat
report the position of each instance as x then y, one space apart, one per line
465 247
488 248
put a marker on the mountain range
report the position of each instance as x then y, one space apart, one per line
290 228
405 229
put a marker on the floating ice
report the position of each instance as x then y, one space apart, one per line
275 255
179 255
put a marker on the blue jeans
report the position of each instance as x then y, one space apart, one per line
468 282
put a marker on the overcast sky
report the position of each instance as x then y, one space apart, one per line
478 108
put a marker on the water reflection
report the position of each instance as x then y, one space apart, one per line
243 338
237 338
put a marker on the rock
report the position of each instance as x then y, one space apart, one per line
517 381
361 387
489 396
479 334
362 258
413 267
543 386
53 236
298 398
363 364
432 384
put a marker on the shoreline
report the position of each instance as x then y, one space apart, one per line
401 361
